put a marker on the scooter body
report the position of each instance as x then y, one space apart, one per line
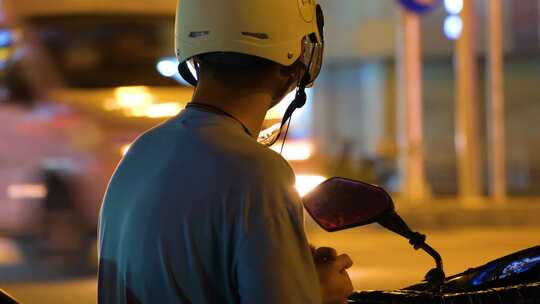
340 203
514 278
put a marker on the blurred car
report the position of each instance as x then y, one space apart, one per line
78 81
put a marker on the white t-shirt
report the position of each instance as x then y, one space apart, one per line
199 212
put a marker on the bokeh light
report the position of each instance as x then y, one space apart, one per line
453 7
453 26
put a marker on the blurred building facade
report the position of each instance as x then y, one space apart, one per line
354 103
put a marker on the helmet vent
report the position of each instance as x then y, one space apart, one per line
256 35
199 34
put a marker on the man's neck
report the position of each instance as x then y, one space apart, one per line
248 107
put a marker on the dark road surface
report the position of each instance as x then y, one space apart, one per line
382 260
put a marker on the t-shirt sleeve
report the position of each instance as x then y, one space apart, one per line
274 262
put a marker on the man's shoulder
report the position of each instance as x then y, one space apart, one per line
256 161
227 153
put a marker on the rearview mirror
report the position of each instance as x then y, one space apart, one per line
340 203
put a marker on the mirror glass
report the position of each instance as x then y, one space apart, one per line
340 203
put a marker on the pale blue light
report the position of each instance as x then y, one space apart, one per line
453 7
453 26
167 67
6 38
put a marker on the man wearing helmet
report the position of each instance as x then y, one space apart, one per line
198 211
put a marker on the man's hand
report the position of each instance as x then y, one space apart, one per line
335 283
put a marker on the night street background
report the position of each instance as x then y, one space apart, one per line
438 106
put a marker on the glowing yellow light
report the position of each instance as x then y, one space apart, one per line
4 54
26 191
163 110
295 150
140 102
129 97
306 183
9 253
124 149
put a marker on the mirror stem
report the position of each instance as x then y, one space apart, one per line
393 222
432 252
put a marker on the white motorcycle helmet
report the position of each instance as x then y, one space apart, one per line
282 31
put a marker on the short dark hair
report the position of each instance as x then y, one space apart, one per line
233 60
223 65
226 64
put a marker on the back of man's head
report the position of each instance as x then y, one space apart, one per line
228 67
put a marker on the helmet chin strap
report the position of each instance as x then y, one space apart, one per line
298 102
299 99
